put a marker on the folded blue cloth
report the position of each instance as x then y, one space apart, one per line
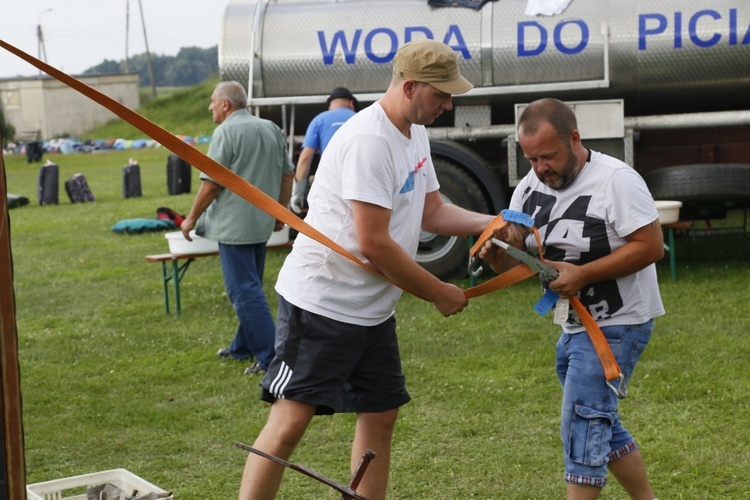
138 226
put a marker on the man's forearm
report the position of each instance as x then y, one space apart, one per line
285 193
207 193
644 247
303 164
393 262
452 220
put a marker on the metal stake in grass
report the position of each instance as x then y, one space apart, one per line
347 492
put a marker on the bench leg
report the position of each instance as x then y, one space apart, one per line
179 273
165 278
176 281
175 276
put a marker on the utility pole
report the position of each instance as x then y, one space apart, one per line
41 49
127 34
148 53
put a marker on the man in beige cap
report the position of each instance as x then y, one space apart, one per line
336 345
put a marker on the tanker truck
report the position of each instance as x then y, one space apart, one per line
662 84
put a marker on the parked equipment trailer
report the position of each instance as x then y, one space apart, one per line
661 84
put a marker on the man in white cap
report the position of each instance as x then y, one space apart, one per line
336 346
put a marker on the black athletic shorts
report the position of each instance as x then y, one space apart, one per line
339 367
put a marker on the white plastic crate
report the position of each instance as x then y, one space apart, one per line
74 488
179 245
279 237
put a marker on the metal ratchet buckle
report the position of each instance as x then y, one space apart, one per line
621 391
474 272
546 272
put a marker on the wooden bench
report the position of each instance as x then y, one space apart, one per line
180 264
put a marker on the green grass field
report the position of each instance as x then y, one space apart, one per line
109 380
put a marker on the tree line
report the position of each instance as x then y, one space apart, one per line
191 66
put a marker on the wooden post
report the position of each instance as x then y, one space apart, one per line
13 479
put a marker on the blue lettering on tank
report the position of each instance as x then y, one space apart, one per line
644 30
732 26
678 30
368 45
453 37
584 41
523 51
733 30
339 38
459 44
704 28
526 49
693 29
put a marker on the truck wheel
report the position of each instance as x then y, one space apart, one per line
706 190
447 256
720 182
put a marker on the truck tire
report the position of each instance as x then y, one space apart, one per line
447 256
706 191
720 182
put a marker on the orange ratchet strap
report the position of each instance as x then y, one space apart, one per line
611 369
504 280
522 271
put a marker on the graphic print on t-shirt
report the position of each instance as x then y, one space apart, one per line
409 184
570 235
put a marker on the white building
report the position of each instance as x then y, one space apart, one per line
43 108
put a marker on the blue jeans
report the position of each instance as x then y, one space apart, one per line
242 269
590 427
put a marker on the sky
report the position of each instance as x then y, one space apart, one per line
79 34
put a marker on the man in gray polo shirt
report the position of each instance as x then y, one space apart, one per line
255 150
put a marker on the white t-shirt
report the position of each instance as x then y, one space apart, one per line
367 160
588 220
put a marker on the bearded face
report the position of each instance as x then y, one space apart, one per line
553 160
563 176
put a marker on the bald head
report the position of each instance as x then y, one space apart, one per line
227 98
232 92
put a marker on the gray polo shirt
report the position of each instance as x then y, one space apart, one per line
254 149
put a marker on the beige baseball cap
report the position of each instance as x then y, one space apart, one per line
431 62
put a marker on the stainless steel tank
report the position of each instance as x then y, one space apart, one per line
660 56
